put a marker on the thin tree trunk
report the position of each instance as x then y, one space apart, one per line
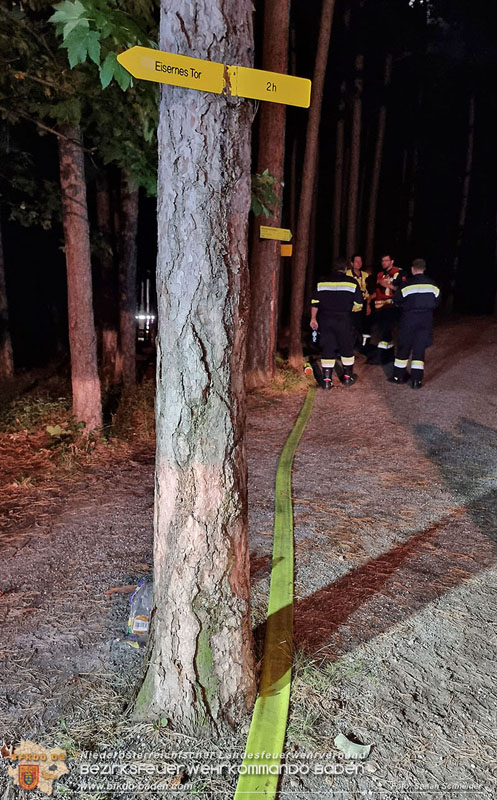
265 260
6 356
127 279
201 669
411 200
307 186
86 396
355 158
106 295
464 197
378 157
339 156
311 265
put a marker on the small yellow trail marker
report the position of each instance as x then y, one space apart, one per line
210 76
286 249
281 234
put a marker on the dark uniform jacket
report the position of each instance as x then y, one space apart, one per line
417 299
339 294
419 294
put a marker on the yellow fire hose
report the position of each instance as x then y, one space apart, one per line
261 765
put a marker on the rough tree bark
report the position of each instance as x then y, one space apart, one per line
6 356
201 670
378 157
355 158
307 186
339 156
86 395
127 279
106 300
265 258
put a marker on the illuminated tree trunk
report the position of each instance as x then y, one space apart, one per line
265 260
378 157
86 397
355 158
127 279
201 670
6 356
309 170
106 299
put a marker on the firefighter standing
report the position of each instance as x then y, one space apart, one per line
361 316
416 298
333 300
387 282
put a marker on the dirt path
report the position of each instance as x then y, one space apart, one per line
395 528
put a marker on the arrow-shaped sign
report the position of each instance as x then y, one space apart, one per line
210 76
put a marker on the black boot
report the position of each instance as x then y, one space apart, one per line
349 379
327 373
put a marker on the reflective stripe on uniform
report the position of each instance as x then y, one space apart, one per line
314 302
385 345
420 288
327 362
337 286
357 306
400 362
348 362
417 364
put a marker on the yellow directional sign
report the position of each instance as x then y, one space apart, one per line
258 84
191 73
281 234
210 76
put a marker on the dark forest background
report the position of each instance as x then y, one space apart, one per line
444 61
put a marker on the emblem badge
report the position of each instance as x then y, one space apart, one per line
29 775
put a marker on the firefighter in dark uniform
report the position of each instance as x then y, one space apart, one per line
387 282
332 303
416 298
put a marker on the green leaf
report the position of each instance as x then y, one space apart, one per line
68 12
107 69
74 23
123 77
93 45
76 46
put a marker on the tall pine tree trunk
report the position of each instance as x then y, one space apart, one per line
378 157
464 197
106 296
339 156
6 356
355 158
128 228
86 395
265 259
307 186
201 670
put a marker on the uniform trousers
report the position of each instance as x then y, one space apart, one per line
337 339
414 336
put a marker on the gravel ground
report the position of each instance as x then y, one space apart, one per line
395 531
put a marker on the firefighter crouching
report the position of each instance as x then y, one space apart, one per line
332 303
416 298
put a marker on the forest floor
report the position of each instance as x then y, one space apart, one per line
395 508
